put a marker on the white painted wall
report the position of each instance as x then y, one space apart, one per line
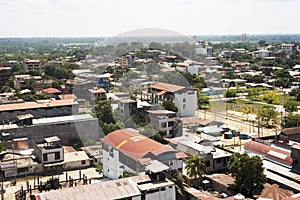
188 107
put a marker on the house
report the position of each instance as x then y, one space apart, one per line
222 182
184 98
215 158
166 121
51 92
135 188
50 154
97 92
261 53
32 64
103 81
290 133
21 80
76 160
126 149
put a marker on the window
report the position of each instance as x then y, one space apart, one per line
57 155
83 162
219 160
111 152
207 163
183 106
183 100
45 157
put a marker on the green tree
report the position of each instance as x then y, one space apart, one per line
203 99
248 173
230 93
247 111
291 106
253 93
270 97
169 105
127 174
267 113
295 93
195 167
2 147
291 120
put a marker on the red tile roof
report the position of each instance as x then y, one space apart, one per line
135 145
67 96
270 152
293 197
167 87
274 192
51 90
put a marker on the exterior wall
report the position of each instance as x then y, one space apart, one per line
187 103
51 155
42 112
76 164
296 159
66 130
164 193
111 163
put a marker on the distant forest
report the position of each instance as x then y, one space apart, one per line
53 41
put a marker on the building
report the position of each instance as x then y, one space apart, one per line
51 92
244 38
76 160
270 152
166 121
289 48
134 188
126 149
20 81
184 98
39 109
261 54
222 183
50 154
290 134
71 127
97 92
4 75
296 158
215 158
103 81
32 64
127 107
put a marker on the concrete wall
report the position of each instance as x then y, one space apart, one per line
187 103
83 129
41 112
76 165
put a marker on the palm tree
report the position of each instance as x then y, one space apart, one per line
195 167
180 185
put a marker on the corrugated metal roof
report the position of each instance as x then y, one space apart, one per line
115 189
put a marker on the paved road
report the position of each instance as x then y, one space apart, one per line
231 120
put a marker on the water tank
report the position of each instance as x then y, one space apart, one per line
239 197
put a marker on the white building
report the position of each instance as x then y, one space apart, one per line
184 98
128 150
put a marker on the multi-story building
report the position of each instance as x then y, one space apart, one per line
166 121
126 149
97 92
50 153
289 48
127 107
39 109
32 64
20 81
184 98
4 75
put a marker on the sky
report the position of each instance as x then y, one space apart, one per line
57 18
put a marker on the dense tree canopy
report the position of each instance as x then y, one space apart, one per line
248 173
